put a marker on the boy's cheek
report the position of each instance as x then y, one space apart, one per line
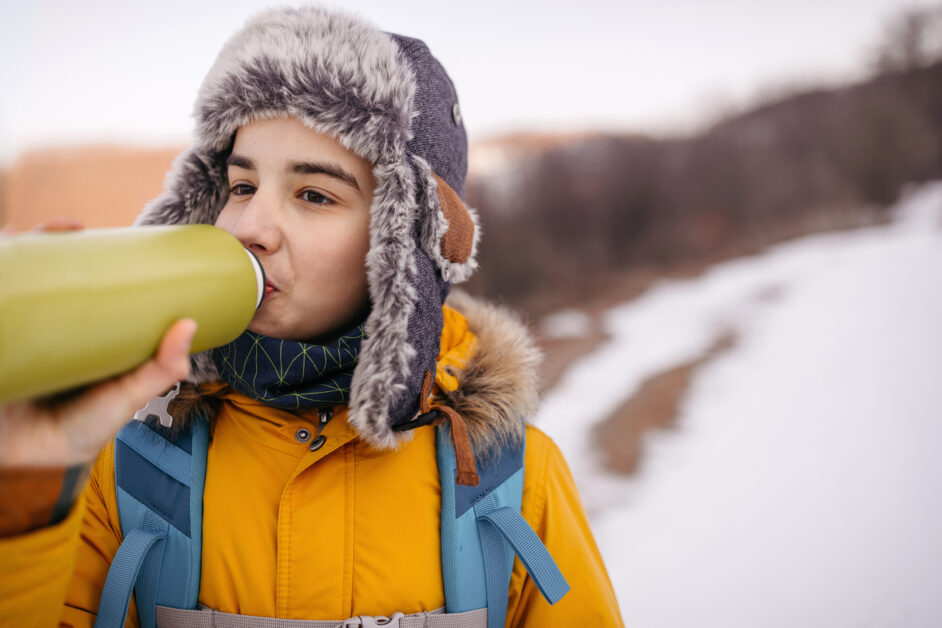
227 218
223 222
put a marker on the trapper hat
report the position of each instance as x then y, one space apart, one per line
387 99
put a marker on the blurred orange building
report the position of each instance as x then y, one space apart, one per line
102 186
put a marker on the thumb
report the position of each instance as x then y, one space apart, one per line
173 355
154 377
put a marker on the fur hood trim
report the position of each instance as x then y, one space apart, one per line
498 391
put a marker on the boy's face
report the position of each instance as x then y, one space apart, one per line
301 202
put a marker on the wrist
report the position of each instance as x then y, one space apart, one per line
36 497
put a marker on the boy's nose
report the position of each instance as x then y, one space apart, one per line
257 227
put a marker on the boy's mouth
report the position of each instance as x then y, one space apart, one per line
269 289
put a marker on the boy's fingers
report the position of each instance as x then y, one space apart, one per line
60 223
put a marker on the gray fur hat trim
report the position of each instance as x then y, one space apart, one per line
387 99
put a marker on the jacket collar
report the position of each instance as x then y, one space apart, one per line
487 371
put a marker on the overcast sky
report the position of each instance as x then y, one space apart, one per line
128 72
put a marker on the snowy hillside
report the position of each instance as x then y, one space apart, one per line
803 486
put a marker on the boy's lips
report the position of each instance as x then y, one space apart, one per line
269 289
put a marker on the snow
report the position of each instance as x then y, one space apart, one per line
803 486
571 323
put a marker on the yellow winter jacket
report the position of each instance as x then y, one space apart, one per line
342 531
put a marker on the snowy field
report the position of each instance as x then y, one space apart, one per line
803 486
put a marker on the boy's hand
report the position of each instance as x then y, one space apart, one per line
59 223
63 433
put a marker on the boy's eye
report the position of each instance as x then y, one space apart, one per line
315 197
242 189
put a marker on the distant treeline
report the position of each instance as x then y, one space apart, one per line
816 160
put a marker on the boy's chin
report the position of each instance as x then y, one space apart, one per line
274 330
266 328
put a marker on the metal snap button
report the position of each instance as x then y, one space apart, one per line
318 442
456 113
303 435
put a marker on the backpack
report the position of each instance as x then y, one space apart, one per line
159 484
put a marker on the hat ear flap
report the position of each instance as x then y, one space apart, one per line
450 229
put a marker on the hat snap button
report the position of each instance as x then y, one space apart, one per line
456 113
318 442
303 435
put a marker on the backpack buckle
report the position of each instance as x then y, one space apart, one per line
158 407
374 621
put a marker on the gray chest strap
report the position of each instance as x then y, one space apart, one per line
206 618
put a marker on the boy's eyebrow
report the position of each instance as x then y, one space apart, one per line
320 167
240 162
301 167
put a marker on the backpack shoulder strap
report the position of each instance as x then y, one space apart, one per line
159 485
482 530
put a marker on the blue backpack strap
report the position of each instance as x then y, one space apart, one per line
502 527
159 486
479 525
140 546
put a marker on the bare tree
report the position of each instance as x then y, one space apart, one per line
912 40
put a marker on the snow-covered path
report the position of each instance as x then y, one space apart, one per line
803 486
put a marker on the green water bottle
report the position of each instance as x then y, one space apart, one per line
78 307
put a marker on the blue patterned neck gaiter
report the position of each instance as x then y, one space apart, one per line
290 374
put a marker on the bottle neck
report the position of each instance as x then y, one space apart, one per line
259 278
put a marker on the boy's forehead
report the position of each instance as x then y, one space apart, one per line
288 139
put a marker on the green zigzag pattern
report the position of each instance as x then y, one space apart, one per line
267 369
